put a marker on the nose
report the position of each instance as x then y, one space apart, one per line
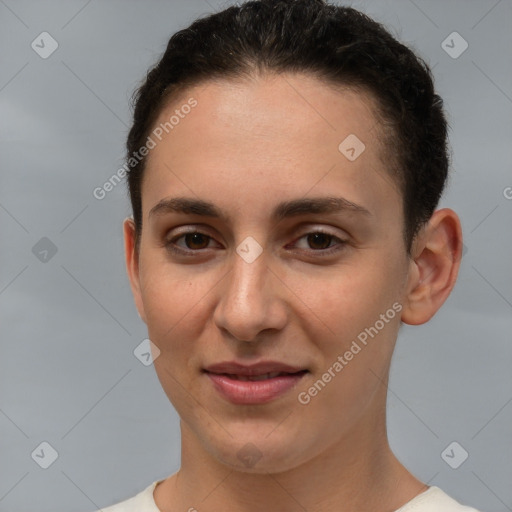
251 300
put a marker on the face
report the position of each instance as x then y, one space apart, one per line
270 269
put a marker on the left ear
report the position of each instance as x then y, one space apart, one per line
436 255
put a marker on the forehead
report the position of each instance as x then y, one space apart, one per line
273 108
277 134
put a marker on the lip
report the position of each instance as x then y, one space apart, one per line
246 392
260 368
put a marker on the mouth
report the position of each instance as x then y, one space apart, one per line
242 389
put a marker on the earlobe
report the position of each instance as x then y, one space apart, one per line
436 260
132 265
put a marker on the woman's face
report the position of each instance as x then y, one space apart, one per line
303 289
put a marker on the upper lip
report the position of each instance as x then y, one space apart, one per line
261 368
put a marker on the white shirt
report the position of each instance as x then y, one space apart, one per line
431 500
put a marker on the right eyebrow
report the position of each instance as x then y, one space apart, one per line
186 205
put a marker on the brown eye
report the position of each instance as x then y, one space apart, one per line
319 240
196 240
188 244
320 243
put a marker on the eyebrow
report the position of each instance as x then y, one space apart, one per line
295 207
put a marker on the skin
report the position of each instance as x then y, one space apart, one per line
248 145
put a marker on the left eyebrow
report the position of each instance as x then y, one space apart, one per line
295 207
316 205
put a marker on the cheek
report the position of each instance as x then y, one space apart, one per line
356 316
172 299
355 339
174 306
348 298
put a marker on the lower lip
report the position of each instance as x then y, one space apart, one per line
244 392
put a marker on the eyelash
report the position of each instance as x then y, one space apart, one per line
171 244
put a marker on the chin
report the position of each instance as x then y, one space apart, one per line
260 454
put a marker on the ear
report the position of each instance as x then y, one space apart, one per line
436 255
132 264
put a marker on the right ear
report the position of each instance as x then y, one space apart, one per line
132 264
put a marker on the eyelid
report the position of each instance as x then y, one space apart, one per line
320 229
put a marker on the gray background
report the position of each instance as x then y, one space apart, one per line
69 326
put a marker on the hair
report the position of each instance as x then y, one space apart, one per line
339 45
